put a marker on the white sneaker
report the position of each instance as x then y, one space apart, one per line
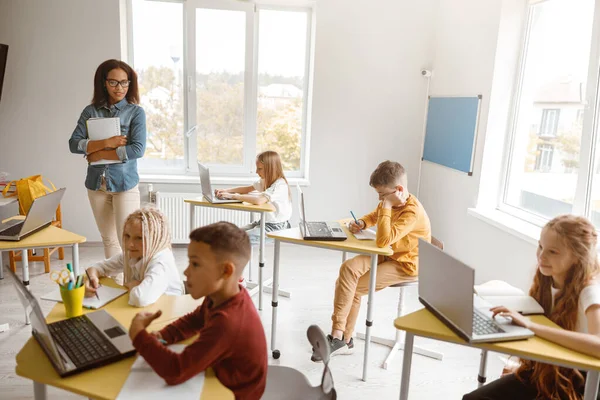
242 282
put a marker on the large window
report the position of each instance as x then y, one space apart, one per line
221 81
553 134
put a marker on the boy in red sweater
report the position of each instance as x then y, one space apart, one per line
231 337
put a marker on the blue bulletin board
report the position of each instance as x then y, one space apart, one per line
451 131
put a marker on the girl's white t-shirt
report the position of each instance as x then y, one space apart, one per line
278 194
589 296
161 277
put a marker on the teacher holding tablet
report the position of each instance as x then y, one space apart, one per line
112 177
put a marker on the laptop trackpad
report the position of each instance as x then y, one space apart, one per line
114 332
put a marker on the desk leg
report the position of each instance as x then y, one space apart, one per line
261 261
1 266
274 294
39 391
344 256
75 250
481 378
406 364
192 217
591 385
369 322
250 263
25 262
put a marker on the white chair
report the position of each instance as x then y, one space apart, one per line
398 343
290 384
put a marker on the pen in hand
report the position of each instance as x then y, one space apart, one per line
355 220
90 280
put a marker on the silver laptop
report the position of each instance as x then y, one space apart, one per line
446 289
324 231
76 344
207 191
40 215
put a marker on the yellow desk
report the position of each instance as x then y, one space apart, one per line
172 307
106 382
424 323
351 245
251 208
50 236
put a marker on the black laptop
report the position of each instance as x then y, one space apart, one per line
323 231
76 344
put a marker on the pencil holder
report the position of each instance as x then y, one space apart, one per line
73 301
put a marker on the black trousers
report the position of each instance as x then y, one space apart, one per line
508 387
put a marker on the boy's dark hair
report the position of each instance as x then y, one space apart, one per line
389 173
100 93
225 239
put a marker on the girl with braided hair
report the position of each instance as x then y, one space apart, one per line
146 262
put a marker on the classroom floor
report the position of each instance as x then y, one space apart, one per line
310 275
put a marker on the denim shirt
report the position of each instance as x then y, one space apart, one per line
120 176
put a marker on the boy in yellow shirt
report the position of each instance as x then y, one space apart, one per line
401 221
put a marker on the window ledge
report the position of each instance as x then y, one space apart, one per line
217 180
515 226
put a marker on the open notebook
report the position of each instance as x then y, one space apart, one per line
144 384
500 293
105 293
365 234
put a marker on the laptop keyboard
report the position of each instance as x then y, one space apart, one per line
484 326
82 341
319 229
12 230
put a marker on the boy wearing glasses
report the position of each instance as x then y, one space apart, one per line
401 221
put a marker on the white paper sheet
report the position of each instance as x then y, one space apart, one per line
144 384
105 293
365 234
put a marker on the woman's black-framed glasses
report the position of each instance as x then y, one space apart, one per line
114 83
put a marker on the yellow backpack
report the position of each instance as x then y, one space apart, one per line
28 189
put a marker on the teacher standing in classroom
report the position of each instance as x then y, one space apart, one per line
113 187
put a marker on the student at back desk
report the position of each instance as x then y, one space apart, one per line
401 221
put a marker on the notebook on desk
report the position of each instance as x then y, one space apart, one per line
144 384
323 231
106 294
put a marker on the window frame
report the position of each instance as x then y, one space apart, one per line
544 123
589 134
246 170
546 154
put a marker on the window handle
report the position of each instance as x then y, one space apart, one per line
190 131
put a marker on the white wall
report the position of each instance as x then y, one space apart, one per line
465 63
54 49
369 98
368 102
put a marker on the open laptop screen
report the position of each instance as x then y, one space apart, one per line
302 214
38 322
205 181
446 285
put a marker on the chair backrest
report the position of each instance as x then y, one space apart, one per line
291 384
437 243
319 342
